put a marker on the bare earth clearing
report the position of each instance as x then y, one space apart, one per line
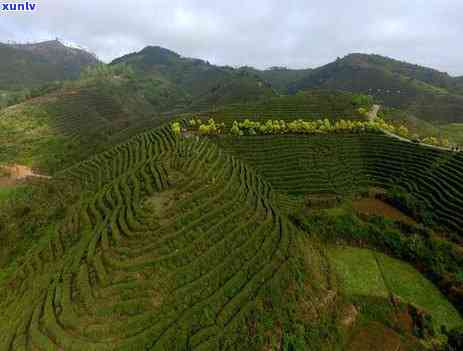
372 206
16 173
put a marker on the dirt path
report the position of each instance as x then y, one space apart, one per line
373 113
16 173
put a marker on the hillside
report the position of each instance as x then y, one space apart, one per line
280 78
177 242
70 124
341 164
164 203
426 93
31 65
313 104
151 257
203 84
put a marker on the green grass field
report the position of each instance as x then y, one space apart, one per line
412 287
360 274
5 193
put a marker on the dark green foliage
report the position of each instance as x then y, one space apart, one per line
280 78
31 65
422 323
312 105
201 85
360 100
455 340
440 260
29 215
426 93
410 205
167 243
338 164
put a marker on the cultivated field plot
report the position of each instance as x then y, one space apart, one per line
367 273
376 207
359 272
343 163
412 287
171 245
308 105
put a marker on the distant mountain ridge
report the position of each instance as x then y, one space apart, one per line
196 84
425 92
201 83
30 65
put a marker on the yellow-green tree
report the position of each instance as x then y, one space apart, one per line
403 131
176 128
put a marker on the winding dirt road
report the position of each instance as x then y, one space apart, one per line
373 113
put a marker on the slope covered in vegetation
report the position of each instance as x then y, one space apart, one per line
105 107
313 104
205 85
30 65
343 163
426 93
158 237
171 245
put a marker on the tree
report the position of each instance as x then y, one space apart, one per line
403 131
445 142
176 128
431 141
235 130
204 129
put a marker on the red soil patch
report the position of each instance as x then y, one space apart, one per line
371 206
375 336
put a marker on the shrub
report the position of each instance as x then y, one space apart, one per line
455 340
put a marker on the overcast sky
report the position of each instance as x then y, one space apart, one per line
292 33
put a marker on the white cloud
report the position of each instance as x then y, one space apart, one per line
296 33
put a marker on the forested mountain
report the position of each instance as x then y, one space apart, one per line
190 83
425 92
203 83
30 65
280 78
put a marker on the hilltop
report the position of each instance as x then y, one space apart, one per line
424 92
196 84
199 81
30 65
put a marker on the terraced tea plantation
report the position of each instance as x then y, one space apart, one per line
306 105
54 132
340 164
173 246
182 242
90 113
